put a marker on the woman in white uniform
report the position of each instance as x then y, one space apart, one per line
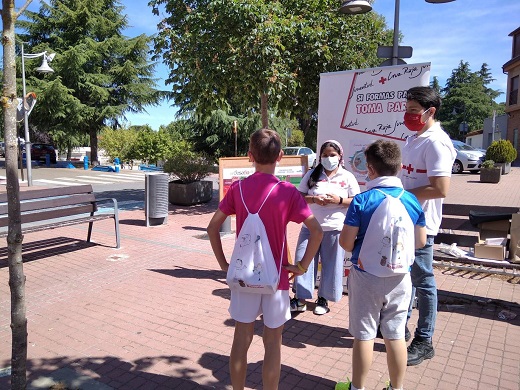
328 189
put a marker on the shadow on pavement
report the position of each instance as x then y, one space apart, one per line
42 249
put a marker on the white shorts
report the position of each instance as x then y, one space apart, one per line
246 307
377 301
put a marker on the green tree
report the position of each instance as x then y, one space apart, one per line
236 55
152 146
100 75
119 143
467 99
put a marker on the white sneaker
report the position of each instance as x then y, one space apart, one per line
322 306
297 306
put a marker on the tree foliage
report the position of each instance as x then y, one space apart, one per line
228 55
467 98
100 75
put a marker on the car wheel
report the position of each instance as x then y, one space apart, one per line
457 167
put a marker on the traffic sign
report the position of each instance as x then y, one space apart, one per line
387 52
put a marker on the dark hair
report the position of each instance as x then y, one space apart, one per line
315 175
426 97
384 157
265 146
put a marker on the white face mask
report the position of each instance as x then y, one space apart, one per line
330 163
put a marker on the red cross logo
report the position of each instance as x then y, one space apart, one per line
342 183
408 168
382 80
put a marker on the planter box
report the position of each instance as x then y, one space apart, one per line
190 194
505 167
490 175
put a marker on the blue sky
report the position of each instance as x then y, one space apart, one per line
475 31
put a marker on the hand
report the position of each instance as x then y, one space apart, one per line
332 199
294 270
320 200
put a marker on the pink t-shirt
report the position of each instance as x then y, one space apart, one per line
284 205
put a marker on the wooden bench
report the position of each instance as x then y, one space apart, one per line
456 229
50 208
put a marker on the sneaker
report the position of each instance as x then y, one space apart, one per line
419 350
343 385
407 334
297 306
322 306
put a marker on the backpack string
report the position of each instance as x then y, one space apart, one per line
243 201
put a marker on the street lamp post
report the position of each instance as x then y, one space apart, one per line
44 68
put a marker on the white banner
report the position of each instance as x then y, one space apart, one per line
357 107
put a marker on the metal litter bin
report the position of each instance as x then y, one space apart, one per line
156 198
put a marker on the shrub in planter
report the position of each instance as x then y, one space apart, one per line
489 173
501 151
187 170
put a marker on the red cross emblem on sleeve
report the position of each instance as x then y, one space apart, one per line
408 168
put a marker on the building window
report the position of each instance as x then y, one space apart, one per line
513 91
516 46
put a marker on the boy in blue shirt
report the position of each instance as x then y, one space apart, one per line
380 299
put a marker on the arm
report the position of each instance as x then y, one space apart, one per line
316 235
420 236
438 188
213 230
348 237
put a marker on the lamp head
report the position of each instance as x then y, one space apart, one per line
354 7
44 67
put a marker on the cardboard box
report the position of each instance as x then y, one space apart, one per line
495 234
495 252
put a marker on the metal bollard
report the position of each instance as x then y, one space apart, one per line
117 164
85 162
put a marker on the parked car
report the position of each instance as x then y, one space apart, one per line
468 158
301 151
2 149
39 151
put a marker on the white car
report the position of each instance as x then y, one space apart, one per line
301 151
468 158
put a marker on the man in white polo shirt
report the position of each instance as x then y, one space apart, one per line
427 157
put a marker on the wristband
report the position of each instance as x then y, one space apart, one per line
340 200
300 267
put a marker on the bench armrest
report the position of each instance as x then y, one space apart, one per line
105 200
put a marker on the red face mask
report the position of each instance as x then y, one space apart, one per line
413 122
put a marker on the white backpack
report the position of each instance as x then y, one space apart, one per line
252 267
389 244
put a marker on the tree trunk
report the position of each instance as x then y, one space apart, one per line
93 144
263 110
14 237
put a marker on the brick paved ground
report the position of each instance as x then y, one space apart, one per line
153 314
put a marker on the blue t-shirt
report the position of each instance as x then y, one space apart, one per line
364 204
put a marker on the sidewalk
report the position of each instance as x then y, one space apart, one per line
153 314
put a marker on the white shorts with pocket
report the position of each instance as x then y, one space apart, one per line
275 308
377 301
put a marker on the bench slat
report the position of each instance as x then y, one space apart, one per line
48 203
38 228
50 214
50 192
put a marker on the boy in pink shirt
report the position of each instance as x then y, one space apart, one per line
284 204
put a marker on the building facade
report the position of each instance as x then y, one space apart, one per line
512 69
